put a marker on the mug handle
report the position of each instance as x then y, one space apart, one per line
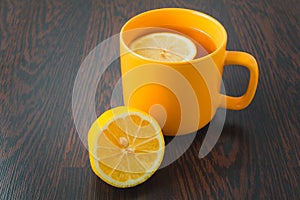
248 61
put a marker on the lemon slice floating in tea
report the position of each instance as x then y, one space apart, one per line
126 146
164 46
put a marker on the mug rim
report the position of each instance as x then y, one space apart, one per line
215 21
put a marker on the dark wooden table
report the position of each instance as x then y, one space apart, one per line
42 46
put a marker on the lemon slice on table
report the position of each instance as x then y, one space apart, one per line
126 146
164 46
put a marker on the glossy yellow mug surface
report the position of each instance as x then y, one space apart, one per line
182 96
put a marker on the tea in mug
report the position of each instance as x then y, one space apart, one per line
172 44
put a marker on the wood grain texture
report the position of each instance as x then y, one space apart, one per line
42 45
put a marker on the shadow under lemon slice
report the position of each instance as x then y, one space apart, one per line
126 146
164 46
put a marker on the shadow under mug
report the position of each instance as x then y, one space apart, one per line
182 96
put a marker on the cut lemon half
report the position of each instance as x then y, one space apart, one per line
126 146
164 46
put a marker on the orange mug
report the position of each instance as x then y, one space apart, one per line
182 96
